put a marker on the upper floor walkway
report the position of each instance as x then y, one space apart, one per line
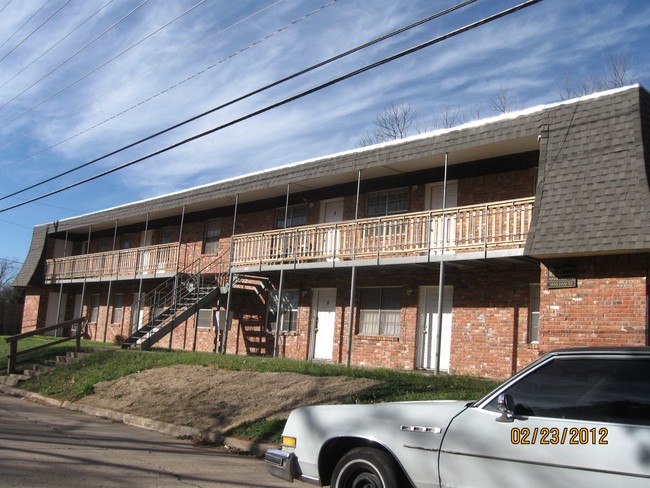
454 233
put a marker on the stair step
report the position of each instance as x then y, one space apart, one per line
257 333
8 380
172 316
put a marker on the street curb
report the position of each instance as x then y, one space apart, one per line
199 435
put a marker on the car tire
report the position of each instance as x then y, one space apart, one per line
366 467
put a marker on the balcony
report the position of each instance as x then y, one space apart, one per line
415 237
149 261
410 237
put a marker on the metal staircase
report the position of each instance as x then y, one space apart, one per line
177 299
174 301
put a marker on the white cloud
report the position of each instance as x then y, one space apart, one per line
524 53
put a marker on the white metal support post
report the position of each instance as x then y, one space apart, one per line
278 314
226 328
110 287
441 278
176 280
353 278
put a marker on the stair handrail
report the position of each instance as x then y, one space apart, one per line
159 297
12 357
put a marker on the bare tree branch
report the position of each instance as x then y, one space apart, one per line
395 122
502 101
615 74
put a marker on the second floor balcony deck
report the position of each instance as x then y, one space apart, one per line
149 261
411 237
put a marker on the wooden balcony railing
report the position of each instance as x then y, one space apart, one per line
139 261
462 229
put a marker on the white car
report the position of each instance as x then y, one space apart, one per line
578 417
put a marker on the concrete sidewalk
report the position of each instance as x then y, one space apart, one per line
199 435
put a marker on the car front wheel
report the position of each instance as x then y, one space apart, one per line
365 467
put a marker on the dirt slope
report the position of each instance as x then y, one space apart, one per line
206 397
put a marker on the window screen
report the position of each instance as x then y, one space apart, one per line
289 311
212 236
379 311
204 319
296 215
388 202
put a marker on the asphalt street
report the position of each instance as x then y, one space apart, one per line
45 446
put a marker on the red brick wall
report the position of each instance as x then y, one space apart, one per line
490 319
490 313
493 188
608 307
490 303
34 310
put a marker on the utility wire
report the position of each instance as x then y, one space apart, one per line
24 24
68 59
57 43
170 88
317 88
5 6
11 260
35 30
248 95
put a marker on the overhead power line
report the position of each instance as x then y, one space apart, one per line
35 30
170 88
76 53
285 101
5 6
24 24
248 95
56 43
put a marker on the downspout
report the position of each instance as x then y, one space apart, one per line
441 278
224 336
353 279
278 314
178 261
110 287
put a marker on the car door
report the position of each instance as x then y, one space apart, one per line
577 421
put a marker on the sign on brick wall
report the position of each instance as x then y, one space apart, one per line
562 276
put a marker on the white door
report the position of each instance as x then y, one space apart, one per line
54 305
332 212
145 256
428 328
78 307
137 312
443 225
324 307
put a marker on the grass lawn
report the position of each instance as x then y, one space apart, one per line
77 380
42 354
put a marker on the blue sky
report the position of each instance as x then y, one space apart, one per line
77 82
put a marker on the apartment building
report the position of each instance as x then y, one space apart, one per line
466 250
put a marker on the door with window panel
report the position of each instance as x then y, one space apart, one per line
443 225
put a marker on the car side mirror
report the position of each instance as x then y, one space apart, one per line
506 406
